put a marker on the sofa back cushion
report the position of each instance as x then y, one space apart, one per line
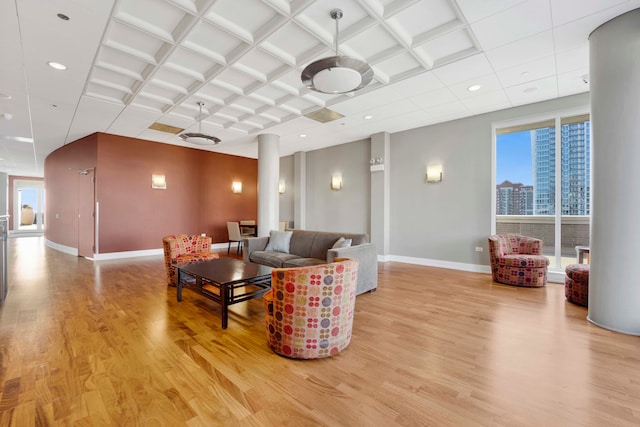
315 244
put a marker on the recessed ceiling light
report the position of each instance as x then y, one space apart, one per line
5 96
368 117
303 135
530 89
53 105
56 65
474 88
62 16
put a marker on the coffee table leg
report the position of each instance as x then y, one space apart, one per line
224 297
179 286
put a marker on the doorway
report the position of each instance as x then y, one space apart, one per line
28 206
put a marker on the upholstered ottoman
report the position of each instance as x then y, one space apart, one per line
576 284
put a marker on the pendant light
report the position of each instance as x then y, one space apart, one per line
337 74
199 138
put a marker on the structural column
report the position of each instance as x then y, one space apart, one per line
268 175
614 282
380 192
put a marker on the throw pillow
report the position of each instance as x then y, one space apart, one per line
279 241
341 243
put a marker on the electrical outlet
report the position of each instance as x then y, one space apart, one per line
479 249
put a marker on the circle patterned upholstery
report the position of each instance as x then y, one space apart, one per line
309 310
576 284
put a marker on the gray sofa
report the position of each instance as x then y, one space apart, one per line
313 248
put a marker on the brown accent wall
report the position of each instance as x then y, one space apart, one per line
61 184
133 216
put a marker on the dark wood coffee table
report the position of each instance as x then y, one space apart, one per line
226 281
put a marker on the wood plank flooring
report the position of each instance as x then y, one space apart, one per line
106 344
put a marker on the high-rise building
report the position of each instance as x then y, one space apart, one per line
514 199
575 176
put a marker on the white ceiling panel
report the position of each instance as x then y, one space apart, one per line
131 63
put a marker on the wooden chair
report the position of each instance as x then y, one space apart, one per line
233 228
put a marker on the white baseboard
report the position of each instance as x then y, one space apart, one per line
552 276
62 248
127 254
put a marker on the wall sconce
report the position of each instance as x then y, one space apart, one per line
281 187
159 182
434 173
336 182
236 187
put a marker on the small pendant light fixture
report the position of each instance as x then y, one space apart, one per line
337 74
199 138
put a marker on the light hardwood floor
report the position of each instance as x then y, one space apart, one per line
105 343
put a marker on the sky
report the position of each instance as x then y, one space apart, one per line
28 197
513 158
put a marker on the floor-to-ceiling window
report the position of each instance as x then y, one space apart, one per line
542 179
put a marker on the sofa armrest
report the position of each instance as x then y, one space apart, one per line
253 244
367 255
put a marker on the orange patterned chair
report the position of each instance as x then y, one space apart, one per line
309 310
181 248
517 260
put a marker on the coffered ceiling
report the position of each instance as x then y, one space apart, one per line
133 63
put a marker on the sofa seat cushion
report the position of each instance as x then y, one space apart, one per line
523 261
303 262
272 259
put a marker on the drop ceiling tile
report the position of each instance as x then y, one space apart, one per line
260 65
225 48
247 19
259 121
191 64
290 82
236 81
316 19
433 98
216 94
534 91
292 44
159 93
490 101
534 70
169 79
367 101
438 50
421 83
464 69
120 62
396 66
573 59
298 105
149 103
489 83
423 20
133 42
106 93
230 113
475 10
269 94
521 51
276 114
248 104
374 44
112 79
161 22
564 11
523 20
573 81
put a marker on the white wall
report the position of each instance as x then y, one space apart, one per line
441 222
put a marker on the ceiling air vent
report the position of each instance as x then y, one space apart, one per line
324 115
165 128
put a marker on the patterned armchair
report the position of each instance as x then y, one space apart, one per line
517 260
309 310
181 248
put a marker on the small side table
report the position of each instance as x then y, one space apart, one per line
581 251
